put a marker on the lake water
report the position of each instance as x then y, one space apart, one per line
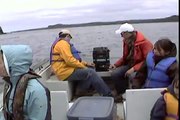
86 38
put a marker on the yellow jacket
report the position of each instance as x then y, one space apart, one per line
68 63
171 106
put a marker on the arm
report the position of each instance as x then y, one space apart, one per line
158 111
37 102
171 72
65 52
145 48
140 77
119 62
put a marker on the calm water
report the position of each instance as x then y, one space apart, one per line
86 38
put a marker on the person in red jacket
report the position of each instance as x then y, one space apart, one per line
135 49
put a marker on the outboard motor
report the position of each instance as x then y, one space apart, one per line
101 58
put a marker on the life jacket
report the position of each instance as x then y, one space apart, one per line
74 52
18 101
172 109
157 77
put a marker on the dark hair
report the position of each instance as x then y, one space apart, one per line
176 77
62 35
167 45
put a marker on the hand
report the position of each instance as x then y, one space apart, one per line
136 84
90 65
112 67
130 71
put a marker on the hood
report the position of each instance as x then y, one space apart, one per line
19 59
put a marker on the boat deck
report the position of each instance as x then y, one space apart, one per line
137 105
54 84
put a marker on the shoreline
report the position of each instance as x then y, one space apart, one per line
173 18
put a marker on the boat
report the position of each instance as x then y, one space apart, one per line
137 104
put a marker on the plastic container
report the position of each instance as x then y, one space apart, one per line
93 108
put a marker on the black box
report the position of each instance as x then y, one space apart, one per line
101 58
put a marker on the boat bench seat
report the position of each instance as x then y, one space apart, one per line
53 84
1 106
57 85
59 105
139 102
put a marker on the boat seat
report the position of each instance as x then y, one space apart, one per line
53 84
1 107
139 102
59 105
56 85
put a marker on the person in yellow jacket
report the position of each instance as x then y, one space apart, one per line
167 106
67 65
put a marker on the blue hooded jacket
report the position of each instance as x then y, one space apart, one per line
37 97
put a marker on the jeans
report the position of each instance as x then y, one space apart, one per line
88 77
121 82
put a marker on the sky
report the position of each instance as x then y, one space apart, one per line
18 15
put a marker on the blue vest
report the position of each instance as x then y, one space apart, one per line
74 52
157 77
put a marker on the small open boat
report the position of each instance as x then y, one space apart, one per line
137 104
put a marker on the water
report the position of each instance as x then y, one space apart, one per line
86 38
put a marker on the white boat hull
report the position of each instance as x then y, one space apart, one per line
137 101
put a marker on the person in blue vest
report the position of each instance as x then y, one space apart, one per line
167 106
67 64
24 97
158 70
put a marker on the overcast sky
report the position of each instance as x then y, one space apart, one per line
27 14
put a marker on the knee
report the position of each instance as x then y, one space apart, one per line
90 72
120 71
116 74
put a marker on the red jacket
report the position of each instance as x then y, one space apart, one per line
141 49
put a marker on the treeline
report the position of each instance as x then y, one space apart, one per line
1 31
173 18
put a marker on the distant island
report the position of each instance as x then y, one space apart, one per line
174 18
1 31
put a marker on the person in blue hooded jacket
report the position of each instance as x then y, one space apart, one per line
24 97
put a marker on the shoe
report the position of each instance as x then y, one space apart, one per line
119 118
119 99
114 93
80 93
92 91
